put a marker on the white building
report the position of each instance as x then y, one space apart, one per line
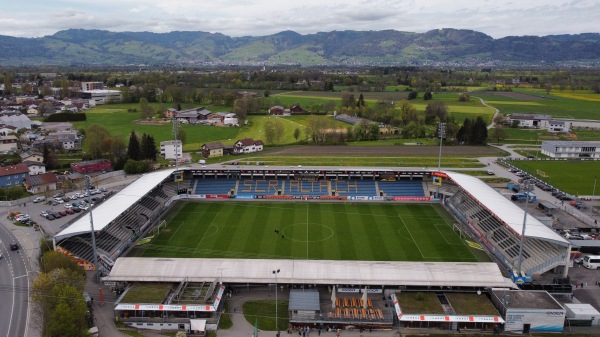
171 149
571 149
247 145
101 96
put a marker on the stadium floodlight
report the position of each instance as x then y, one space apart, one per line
527 188
442 133
275 272
87 188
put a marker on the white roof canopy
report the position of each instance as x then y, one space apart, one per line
375 273
506 210
109 210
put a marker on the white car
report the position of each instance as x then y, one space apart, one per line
67 206
58 200
43 213
22 217
73 197
84 207
39 199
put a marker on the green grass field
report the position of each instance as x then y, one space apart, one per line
573 177
331 231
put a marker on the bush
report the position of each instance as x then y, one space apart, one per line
413 94
137 166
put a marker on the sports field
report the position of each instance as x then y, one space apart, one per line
307 230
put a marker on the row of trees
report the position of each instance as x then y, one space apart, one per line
57 293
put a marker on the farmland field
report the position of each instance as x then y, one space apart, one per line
331 231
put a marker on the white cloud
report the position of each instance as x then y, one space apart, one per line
262 17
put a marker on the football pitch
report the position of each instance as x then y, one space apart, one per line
307 230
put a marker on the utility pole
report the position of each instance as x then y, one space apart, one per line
87 188
275 272
175 132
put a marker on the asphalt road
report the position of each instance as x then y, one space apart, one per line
14 287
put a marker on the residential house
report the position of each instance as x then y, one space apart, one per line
276 110
247 145
41 183
211 150
9 143
297 109
171 149
33 110
35 167
5 130
13 175
558 126
59 141
36 157
170 113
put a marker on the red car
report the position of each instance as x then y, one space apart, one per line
69 211
62 213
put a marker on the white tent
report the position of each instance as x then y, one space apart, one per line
198 324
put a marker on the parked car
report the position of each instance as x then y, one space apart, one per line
22 217
58 195
76 209
62 213
58 200
43 213
73 197
103 189
49 217
578 260
56 215
67 206
84 207
39 199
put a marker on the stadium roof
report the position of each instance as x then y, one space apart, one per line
109 210
506 210
328 272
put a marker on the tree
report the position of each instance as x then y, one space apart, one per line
7 84
427 96
54 260
45 108
373 131
408 113
413 94
498 133
68 315
297 134
279 130
133 150
436 110
148 147
479 132
269 129
95 137
145 108
347 100
361 101
181 134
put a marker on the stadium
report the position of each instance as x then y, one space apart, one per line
348 246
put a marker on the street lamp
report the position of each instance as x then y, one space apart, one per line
275 272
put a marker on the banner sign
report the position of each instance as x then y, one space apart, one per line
412 198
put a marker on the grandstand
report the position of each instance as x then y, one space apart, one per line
498 223
118 222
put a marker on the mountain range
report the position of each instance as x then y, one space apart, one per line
387 47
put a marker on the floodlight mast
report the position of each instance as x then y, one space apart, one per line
87 187
527 188
442 133
275 272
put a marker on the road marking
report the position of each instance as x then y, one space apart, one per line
16 277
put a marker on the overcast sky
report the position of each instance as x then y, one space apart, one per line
497 18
